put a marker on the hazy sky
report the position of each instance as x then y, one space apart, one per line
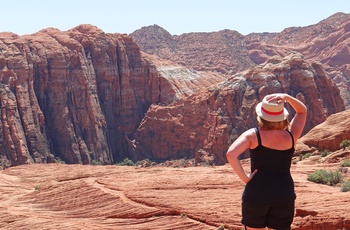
175 16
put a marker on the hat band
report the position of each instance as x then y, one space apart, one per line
272 113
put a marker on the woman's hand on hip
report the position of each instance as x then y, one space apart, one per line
250 176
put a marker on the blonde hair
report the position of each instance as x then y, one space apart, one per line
277 125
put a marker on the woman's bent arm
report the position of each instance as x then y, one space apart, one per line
235 150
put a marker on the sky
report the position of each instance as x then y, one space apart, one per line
176 16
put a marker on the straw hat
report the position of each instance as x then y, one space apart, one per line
271 111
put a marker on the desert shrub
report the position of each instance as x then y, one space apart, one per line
344 144
304 156
96 162
322 176
126 162
324 153
59 160
145 163
346 186
345 163
4 163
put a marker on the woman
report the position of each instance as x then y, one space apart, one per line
268 197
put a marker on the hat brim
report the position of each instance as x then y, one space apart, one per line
272 118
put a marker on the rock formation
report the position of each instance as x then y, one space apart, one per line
222 51
75 95
328 135
229 52
78 95
209 120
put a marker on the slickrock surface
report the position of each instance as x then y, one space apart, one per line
59 196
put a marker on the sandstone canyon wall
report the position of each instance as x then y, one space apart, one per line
75 95
78 95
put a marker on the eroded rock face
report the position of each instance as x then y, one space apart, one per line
75 95
79 95
211 119
223 51
229 52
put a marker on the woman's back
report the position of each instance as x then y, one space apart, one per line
268 158
274 139
272 182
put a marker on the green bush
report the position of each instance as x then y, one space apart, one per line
96 162
126 162
145 163
59 160
304 156
324 153
322 176
4 163
345 163
346 186
344 144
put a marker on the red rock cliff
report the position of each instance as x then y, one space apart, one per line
79 95
209 120
75 95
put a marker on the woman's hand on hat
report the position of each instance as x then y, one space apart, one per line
279 97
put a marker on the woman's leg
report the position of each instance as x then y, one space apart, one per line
281 215
254 214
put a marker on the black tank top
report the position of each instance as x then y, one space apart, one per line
272 182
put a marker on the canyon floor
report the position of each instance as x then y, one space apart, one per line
60 196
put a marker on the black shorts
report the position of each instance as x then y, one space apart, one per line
272 215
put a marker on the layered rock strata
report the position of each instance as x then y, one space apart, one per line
209 120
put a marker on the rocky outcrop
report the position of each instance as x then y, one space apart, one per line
211 119
328 135
229 52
